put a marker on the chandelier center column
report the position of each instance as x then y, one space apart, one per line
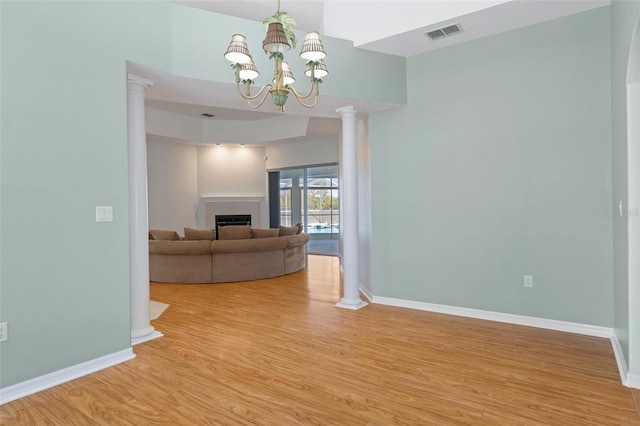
349 182
141 329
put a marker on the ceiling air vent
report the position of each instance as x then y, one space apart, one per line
443 32
206 114
436 34
451 29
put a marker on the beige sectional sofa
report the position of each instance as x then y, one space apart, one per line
177 260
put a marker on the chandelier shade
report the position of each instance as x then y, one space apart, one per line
287 75
248 71
238 52
276 40
319 69
312 48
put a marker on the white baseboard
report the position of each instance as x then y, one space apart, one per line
622 364
366 293
153 335
37 384
633 381
570 327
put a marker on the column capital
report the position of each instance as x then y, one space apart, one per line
347 111
133 79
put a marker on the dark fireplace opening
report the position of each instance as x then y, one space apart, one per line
231 219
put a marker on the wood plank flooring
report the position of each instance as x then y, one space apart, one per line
277 352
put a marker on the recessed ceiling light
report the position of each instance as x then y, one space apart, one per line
206 114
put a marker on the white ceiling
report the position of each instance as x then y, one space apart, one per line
395 27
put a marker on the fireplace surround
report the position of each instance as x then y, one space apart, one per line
238 205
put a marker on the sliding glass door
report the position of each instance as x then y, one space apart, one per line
311 196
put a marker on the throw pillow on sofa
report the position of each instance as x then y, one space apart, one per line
289 230
199 234
234 232
161 234
264 233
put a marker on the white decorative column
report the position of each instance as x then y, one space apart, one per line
141 329
349 227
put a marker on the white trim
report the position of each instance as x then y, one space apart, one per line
346 109
213 199
365 291
153 335
139 80
570 327
350 306
628 379
619 354
37 384
633 381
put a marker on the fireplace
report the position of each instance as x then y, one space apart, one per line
231 219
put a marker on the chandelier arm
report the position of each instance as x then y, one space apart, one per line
248 96
300 98
306 95
259 104
315 88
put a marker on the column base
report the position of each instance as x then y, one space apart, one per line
359 304
154 334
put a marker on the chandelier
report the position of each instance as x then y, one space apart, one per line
280 38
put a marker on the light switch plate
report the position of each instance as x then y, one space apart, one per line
104 213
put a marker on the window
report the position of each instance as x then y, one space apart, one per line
322 204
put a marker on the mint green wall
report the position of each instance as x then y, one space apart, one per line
623 17
64 278
500 166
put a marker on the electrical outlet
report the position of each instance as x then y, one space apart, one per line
4 332
528 281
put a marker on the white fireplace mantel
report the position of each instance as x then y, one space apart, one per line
215 199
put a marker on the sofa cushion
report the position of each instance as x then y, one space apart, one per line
198 234
248 245
161 234
288 230
264 233
180 247
234 232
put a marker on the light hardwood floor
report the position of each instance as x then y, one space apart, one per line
277 352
